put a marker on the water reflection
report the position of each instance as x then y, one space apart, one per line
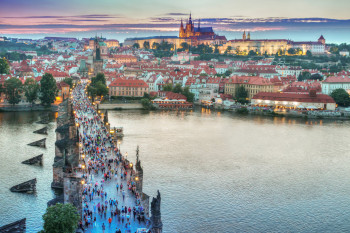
224 172
16 132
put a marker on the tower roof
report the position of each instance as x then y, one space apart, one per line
321 37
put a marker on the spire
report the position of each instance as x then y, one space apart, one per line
190 19
182 25
244 36
199 23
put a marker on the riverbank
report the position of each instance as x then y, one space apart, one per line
27 108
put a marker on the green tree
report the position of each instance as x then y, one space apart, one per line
4 66
216 50
304 76
309 54
228 49
13 88
136 46
69 81
31 90
178 88
189 95
61 218
146 96
341 97
292 51
168 87
146 45
92 90
100 77
155 46
241 95
252 53
185 46
238 50
228 73
334 50
48 89
98 86
101 89
147 104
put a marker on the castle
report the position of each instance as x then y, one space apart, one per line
272 46
190 30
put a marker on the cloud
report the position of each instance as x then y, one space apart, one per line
163 19
170 24
104 16
83 20
176 14
93 16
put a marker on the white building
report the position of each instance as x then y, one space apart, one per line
335 82
344 53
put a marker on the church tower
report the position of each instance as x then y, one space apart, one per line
97 60
244 36
322 40
248 38
182 31
189 27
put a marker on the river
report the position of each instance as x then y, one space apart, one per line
217 172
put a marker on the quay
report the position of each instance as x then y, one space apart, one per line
94 174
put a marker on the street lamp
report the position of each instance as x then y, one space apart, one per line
126 155
119 144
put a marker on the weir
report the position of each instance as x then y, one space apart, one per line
41 131
37 160
39 143
15 227
25 187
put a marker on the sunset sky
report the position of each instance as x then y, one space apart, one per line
116 18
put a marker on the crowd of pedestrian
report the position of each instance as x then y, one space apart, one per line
109 195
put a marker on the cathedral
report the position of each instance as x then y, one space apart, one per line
191 31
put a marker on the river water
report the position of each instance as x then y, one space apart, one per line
217 172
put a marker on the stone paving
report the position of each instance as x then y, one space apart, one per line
109 186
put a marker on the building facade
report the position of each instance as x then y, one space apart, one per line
335 82
246 44
190 30
128 87
252 85
294 101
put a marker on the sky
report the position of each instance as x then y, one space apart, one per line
119 19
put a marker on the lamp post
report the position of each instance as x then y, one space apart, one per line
126 155
119 145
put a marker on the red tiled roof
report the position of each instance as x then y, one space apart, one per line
337 79
254 80
128 83
321 98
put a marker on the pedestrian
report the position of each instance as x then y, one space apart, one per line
103 227
109 221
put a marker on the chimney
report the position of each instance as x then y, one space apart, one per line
312 93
